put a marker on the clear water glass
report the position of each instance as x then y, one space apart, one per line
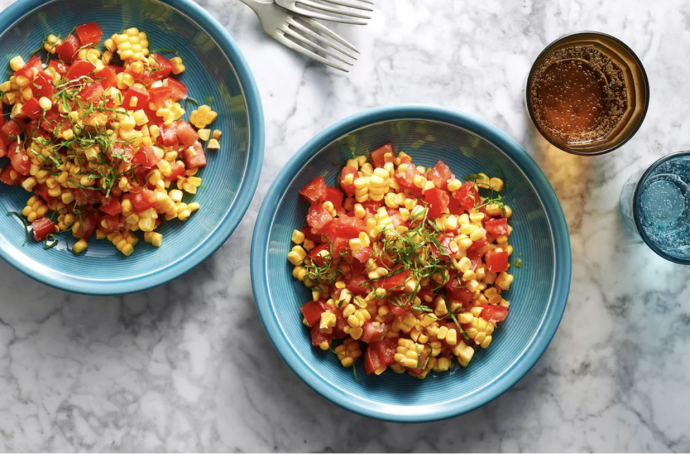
655 203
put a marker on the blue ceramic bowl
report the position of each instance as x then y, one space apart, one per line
538 294
217 73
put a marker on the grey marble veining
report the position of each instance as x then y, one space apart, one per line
187 367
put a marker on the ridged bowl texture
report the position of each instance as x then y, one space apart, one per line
540 239
216 74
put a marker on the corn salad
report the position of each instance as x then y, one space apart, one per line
96 134
410 262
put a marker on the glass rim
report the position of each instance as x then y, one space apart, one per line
630 134
636 208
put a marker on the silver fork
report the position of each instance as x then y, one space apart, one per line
303 35
351 11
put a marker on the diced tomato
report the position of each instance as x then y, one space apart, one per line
467 196
141 101
456 289
398 311
196 159
378 157
32 109
159 95
357 285
146 157
168 137
121 152
335 196
111 206
117 69
161 68
406 179
110 223
315 191
143 200
89 33
143 76
395 281
340 246
51 119
92 92
317 337
314 253
86 228
363 254
496 262
11 130
475 260
437 200
312 312
6 177
79 68
454 207
58 66
179 90
42 227
151 115
340 324
497 226
30 69
348 188
318 218
372 332
185 133
445 249
371 207
178 169
41 190
477 246
494 313
87 196
19 159
68 49
42 86
108 75
379 354
349 227
440 175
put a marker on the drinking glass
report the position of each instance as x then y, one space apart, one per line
655 203
636 82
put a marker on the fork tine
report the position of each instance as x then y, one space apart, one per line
331 9
329 17
328 32
302 50
348 4
304 40
320 38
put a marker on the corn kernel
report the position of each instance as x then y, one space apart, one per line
80 246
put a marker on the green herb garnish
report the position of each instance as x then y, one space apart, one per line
24 221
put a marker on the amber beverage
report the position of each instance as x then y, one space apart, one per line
587 93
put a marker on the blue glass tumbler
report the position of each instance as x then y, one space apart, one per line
655 203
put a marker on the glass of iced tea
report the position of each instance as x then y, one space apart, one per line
587 93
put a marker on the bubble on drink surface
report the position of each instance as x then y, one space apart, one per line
662 200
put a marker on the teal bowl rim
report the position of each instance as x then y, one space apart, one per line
229 223
555 216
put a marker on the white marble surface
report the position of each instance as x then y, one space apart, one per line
188 367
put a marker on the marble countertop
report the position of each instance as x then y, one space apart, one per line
188 367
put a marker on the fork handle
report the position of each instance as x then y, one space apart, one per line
259 7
